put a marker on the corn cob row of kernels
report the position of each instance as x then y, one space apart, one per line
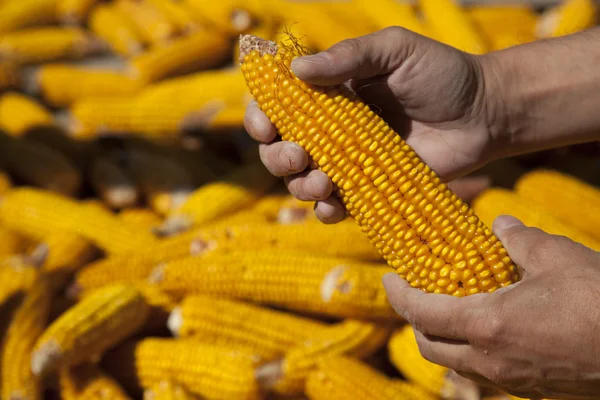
89 382
26 326
100 321
109 23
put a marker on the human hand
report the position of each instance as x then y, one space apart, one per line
538 338
432 94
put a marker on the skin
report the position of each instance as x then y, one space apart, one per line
539 338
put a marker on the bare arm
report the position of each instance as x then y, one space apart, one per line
549 93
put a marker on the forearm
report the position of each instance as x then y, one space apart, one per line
545 94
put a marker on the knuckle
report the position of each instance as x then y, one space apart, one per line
490 333
344 48
395 31
542 249
500 373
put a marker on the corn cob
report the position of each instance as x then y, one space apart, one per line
18 273
67 252
115 28
12 242
229 16
386 13
112 183
40 213
219 373
36 164
55 83
149 22
25 13
35 46
75 12
494 202
431 240
167 391
573 201
140 217
9 75
452 26
92 326
164 182
353 16
26 326
179 16
161 109
344 378
236 191
200 50
504 26
89 382
266 28
288 376
222 118
327 286
266 332
20 113
569 17
404 353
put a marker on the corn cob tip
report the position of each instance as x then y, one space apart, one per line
172 226
157 275
201 246
175 321
122 196
44 358
74 291
331 283
249 43
269 374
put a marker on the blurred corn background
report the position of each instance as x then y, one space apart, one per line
145 252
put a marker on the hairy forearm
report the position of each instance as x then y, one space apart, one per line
545 94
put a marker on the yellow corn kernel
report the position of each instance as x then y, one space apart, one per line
573 201
353 338
167 391
12 242
415 222
404 353
571 16
295 281
345 378
9 75
39 165
18 273
201 50
89 382
230 16
149 22
40 213
236 191
35 46
163 109
67 252
385 13
109 23
268 333
218 373
177 14
26 326
19 113
504 26
165 183
56 84
93 325
140 217
25 13
494 202
452 26
112 183
74 12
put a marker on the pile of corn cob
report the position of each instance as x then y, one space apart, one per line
146 254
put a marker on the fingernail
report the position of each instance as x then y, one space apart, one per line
303 65
504 222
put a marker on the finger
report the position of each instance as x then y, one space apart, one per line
367 56
469 187
330 211
310 185
521 242
283 158
433 314
258 125
456 355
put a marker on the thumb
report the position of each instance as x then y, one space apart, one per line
368 56
521 242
